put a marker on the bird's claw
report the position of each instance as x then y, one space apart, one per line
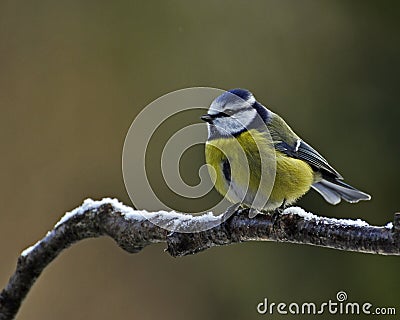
275 216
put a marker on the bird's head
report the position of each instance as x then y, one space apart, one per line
231 113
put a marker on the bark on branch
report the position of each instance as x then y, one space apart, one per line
132 232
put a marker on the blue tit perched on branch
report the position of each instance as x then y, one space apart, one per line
236 120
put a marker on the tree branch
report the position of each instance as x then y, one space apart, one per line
132 232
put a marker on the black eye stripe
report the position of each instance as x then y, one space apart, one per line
230 112
219 115
227 113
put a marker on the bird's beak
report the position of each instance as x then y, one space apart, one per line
207 118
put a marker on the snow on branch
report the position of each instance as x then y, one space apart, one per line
132 231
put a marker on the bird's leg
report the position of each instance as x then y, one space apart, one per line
278 212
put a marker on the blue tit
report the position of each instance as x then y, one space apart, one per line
237 120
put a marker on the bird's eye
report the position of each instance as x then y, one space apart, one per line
229 112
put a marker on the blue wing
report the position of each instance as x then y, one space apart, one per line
303 151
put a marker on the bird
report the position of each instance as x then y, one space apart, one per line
236 120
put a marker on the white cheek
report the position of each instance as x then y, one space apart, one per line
224 126
245 118
229 126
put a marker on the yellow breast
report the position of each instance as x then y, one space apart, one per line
245 153
293 179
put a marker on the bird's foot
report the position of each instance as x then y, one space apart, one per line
240 209
277 213
275 216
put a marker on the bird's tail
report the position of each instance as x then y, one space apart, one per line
335 190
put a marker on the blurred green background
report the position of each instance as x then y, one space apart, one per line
75 73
